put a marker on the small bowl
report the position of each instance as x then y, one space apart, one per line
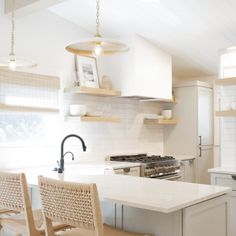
167 114
78 110
233 105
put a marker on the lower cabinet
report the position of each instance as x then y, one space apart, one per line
133 171
228 181
187 169
208 218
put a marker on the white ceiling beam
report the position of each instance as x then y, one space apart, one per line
25 7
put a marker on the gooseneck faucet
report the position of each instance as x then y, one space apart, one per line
61 164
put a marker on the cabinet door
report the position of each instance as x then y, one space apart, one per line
205 132
187 171
208 218
204 162
232 214
205 116
228 181
182 171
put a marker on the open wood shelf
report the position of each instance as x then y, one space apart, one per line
174 100
226 113
159 122
93 91
226 81
93 119
18 108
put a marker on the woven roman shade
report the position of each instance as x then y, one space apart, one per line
20 91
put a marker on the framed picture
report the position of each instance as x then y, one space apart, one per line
88 71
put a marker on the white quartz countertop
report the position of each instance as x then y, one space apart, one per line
152 194
223 170
184 157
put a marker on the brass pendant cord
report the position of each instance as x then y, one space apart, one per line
12 53
12 62
98 19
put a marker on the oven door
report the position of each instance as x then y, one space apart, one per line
174 177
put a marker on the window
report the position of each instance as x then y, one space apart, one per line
29 108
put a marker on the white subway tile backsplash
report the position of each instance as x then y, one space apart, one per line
228 128
102 139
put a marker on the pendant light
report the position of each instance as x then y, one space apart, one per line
12 62
97 45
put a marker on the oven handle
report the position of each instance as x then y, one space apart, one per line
173 177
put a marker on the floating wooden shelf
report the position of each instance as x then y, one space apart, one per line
226 113
93 91
94 119
160 100
226 81
17 108
160 122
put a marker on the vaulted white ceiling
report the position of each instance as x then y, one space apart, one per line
192 31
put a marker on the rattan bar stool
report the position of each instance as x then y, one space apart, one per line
6 212
14 197
77 205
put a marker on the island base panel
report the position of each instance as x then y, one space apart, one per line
207 218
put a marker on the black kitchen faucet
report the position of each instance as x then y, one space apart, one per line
61 164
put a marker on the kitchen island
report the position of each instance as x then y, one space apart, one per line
160 207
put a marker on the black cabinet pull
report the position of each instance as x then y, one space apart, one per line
200 140
127 169
234 177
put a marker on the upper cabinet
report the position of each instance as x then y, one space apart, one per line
144 72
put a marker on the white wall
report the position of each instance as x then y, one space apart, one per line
207 79
42 38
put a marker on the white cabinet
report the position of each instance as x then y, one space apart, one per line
228 181
198 219
232 214
193 133
134 171
187 171
145 71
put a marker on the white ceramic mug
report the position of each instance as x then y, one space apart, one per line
167 114
78 110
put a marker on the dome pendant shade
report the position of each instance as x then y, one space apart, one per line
89 47
97 45
12 62
16 63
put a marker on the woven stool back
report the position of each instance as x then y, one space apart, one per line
11 194
71 203
14 196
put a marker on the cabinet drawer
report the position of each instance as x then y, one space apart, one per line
224 180
134 171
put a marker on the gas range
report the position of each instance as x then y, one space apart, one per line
154 166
